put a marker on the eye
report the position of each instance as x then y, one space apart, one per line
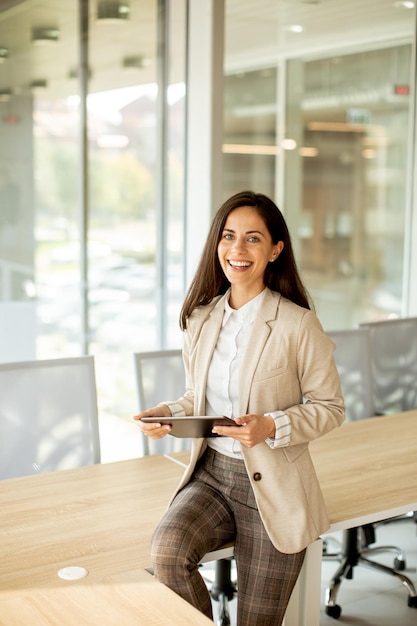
253 239
228 236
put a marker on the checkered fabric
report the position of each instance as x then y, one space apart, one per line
216 507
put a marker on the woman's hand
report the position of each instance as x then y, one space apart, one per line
154 430
253 429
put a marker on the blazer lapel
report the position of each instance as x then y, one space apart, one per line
206 344
264 322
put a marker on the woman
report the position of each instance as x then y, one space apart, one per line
253 351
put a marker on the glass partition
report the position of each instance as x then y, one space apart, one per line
122 115
318 115
355 112
39 169
129 221
82 219
250 137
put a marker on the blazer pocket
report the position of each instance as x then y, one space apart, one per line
268 374
293 452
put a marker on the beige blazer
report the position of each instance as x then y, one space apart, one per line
289 366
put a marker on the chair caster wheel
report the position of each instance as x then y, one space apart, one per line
224 620
412 602
399 565
224 617
334 611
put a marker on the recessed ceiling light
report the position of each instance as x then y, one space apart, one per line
308 151
5 95
288 144
295 28
39 85
112 11
44 35
134 62
73 73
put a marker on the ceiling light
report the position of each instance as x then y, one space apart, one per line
369 153
308 151
43 36
112 11
288 144
38 86
5 95
295 28
339 127
404 4
73 73
241 148
4 55
134 62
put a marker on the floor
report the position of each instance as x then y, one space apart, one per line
371 598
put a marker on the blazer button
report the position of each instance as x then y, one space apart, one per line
257 476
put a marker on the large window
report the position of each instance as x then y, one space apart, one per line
91 252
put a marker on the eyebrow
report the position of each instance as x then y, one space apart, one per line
248 232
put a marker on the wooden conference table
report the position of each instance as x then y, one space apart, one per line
101 518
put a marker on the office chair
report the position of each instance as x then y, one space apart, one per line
352 357
160 376
393 349
48 416
393 354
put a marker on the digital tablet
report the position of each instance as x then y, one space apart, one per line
192 425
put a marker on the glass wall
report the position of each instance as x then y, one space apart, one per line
355 113
91 103
317 115
250 137
323 124
131 285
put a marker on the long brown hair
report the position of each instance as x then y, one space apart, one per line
282 275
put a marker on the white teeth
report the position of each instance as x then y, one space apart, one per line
239 263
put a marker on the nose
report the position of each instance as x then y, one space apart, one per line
239 244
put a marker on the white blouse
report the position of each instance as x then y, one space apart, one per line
222 392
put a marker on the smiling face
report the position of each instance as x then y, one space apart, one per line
244 250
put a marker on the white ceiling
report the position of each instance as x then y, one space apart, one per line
258 30
257 35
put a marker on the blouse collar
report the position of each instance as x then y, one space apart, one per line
246 314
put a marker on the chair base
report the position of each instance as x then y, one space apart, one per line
352 555
223 590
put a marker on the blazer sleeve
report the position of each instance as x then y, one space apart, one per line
322 406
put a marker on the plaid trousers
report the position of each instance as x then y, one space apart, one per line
215 507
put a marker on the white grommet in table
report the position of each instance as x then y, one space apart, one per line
74 572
